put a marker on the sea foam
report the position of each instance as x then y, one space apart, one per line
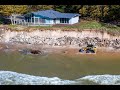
14 78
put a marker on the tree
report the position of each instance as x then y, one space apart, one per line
10 9
84 11
60 8
39 7
114 12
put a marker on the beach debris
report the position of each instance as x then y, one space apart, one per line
88 49
31 51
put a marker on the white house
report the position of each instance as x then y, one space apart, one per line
50 17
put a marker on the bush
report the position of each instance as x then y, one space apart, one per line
4 20
1 20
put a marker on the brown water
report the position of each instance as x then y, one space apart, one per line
61 65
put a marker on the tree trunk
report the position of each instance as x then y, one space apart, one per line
11 20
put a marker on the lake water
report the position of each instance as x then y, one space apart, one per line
63 66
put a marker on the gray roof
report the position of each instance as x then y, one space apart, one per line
55 14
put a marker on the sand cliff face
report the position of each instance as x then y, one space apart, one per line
61 38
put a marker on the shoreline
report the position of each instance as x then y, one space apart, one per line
57 40
71 50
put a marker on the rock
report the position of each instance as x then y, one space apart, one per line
31 51
35 52
54 38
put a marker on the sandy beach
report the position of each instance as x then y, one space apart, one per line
54 50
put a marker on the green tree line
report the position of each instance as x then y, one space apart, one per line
95 12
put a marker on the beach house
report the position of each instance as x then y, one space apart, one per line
46 17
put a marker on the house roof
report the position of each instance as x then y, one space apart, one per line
55 14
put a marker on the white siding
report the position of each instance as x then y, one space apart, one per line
74 20
51 21
57 21
47 21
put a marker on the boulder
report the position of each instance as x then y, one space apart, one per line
35 52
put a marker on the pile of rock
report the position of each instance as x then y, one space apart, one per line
65 41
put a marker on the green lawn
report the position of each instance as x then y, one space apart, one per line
92 25
80 26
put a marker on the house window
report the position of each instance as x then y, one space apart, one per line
60 20
67 20
32 19
54 20
64 20
41 20
36 20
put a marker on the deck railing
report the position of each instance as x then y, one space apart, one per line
32 23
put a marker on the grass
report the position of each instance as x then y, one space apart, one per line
12 26
85 25
91 25
79 26
41 27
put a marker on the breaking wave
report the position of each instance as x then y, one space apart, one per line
14 78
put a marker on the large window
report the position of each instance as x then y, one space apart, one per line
64 20
41 20
36 20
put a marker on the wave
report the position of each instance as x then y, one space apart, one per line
103 79
14 78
